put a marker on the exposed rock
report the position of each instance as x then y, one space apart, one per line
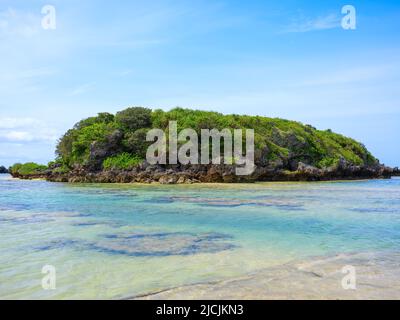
168 179
180 174
101 150
3 169
218 174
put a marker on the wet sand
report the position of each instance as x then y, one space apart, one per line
377 277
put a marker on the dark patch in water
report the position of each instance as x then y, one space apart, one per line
26 220
87 224
287 207
96 223
109 193
375 210
77 215
117 198
161 235
290 207
59 244
222 205
161 200
150 245
17 207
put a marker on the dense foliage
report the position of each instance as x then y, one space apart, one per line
29 168
123 161
119 142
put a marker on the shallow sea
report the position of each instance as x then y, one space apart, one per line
118 241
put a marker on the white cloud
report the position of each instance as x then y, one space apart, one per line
14 23
82 89
124 73
27 74
13 123
22 81
351 75
17 136
330 21
19 130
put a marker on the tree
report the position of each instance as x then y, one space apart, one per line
64 146
135 142
27 168
96 133
102 117
135 118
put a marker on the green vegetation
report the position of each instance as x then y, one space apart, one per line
29 168
132 119
275 139
123 161
107 142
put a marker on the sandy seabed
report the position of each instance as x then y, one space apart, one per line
377 276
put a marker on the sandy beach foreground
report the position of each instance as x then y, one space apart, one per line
377 277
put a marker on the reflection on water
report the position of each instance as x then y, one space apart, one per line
114 241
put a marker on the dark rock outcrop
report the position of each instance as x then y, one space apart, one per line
3 169
180 174
101 150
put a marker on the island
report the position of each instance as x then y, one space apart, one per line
110 148
3 170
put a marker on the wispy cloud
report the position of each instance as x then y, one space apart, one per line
21 81
82 89
19 130
351 75
124 73
14 23
27 74
13 123
330 21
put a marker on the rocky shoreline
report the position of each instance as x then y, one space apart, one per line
187 174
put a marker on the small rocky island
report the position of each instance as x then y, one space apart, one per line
111 148
3 170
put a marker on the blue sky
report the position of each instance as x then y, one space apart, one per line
289 59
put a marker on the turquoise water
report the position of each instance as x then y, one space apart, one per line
118 241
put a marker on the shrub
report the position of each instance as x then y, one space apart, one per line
62 169
123 161
97 132
328 162
27 168
136 143
100 118
15 168
132 119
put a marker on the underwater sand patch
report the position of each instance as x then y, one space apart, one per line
318 278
